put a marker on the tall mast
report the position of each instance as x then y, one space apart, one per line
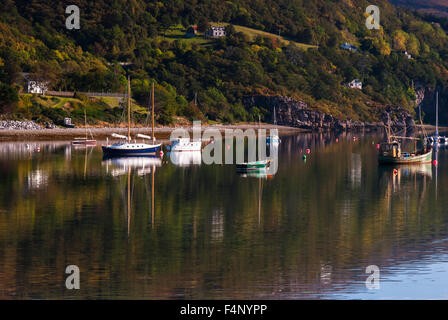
153 138
388 129
437 114
129 109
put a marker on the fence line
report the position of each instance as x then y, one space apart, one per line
71 94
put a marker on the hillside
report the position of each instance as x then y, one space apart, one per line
436 7
305 62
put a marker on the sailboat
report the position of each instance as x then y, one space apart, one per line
254 166
436 139
127 147
390 152
273 138
85 140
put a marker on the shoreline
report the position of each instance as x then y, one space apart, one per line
102 133
162 132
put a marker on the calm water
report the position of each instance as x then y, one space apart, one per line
151 229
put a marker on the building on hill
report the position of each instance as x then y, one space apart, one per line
355 84
215 32
407 54
34 84
348 46
191 32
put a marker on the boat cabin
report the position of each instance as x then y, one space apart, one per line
392 149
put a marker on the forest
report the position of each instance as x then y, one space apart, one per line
287 47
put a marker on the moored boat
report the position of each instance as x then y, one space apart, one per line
85 141
273 138
390 152
253 166
128 148
185 144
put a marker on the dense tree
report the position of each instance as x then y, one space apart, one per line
33 39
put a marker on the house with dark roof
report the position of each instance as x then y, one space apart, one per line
348 46
191 32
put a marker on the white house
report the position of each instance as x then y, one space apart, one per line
35 85
355 84
216 32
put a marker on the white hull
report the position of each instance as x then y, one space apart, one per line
185 145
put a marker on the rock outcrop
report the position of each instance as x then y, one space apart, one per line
295 113
426 99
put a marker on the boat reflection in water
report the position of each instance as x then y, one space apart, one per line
405 183
399 176
117 166
185 158
143 166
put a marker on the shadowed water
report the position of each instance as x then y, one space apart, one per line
146 228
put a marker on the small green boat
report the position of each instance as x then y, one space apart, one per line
253 166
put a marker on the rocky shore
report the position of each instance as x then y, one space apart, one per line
296 113
19 125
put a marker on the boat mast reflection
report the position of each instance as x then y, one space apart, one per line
143 166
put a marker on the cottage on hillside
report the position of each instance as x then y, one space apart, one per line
355 84
407 54
215 32
349 47
192 31
35 84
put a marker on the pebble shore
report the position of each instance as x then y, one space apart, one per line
19 125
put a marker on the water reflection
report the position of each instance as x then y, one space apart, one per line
117 166
185 158
146 228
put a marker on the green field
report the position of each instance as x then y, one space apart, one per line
253 33
178 33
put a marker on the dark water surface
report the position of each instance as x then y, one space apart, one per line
307 232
